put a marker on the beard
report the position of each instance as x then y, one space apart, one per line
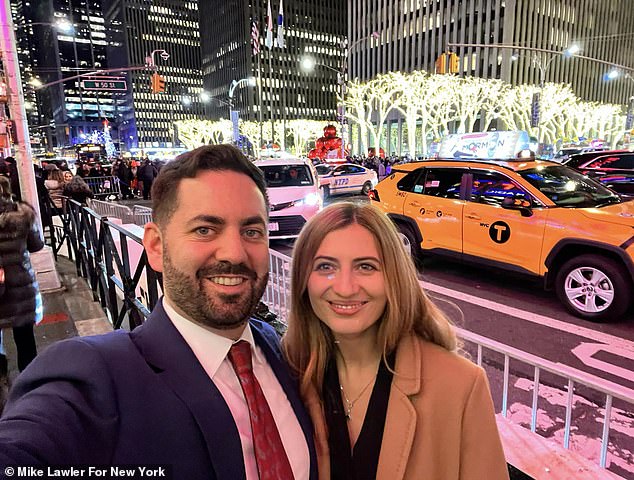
215 310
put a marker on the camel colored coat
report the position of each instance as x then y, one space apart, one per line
440 422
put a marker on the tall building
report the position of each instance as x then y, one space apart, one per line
315 29
67 111
170 29
414 33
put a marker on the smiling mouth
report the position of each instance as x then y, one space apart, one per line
227 281
347 306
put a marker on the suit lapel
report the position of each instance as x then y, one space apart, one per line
167 352
400 422
268 342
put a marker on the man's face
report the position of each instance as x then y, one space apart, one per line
213 251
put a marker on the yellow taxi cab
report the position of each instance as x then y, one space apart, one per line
524 215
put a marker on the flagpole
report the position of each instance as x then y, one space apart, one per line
260 102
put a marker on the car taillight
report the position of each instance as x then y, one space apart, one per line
374 195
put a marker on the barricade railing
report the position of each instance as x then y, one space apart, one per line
102 253
111 209
142 215
104 187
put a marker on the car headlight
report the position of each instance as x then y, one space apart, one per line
311 199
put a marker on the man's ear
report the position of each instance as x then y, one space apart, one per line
153 243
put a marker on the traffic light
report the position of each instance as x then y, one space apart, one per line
441 63
158 83
535 110
454 61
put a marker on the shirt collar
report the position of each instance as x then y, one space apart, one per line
209 348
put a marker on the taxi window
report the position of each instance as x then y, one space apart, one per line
443 182
410 182
492 188
613 161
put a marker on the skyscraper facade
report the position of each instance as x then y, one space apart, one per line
67 111
414 33
165 32
285 91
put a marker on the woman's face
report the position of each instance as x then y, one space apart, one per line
346 285
68 177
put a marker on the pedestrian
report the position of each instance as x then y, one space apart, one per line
12 168
377 363
21 303
200 387
146 174
55 185
77 189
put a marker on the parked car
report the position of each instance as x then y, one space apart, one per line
346 178
614 169
293 189
533 217
565 153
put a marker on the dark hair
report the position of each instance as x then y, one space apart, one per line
5 187
188 164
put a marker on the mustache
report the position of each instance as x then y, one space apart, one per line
226 268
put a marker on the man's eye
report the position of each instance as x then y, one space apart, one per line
254 233
203 231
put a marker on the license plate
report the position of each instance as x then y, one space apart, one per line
274 226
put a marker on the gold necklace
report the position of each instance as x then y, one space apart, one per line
350 403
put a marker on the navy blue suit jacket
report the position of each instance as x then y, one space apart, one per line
132 398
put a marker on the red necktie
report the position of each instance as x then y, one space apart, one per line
270 455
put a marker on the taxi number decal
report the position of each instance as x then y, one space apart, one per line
401 194
342 181
500 232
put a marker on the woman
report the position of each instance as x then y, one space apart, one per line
377 363
21 304
55 185
77 189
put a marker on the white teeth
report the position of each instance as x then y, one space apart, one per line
347 307
227 280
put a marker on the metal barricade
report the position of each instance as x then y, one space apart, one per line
104 187
109 209
141 214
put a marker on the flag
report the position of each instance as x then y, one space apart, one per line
269 28
280 27
255 38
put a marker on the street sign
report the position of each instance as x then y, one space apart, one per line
112 84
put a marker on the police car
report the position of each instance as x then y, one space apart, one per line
294 195
538 218
346 178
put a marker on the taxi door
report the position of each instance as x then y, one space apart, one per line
434 203
498 234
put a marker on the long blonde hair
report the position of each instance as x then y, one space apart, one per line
308 343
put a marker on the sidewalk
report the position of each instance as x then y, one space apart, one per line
67 314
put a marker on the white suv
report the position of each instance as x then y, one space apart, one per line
293 188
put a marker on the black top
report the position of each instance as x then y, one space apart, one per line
362 462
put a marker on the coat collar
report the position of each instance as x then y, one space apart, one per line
167 352
172 359
401 421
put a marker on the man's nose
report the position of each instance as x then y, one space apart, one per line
345 283
230 247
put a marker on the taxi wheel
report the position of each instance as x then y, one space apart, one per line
367 186
410 238
594 287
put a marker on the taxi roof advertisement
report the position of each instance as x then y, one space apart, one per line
484 145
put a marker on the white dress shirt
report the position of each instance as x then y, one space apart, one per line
211 350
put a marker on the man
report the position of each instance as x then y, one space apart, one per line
173 391
146 174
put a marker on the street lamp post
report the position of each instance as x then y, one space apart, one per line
234 117
308 63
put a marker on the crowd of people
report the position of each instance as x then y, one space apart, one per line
366 383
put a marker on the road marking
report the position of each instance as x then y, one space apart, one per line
585 352
532 317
